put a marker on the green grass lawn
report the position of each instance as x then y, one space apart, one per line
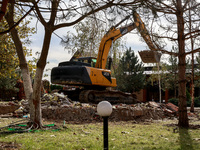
122 136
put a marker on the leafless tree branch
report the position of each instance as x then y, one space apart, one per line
17 23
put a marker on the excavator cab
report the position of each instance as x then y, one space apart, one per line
82 61
88 61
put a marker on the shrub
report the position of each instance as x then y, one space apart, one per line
188 96
196 102
56 87
173 101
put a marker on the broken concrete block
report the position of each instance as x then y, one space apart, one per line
172 107
8 107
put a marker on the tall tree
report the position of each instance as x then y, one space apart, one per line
173 69
9 63
130 77
86 39
191 27
8 59
53 15
174 29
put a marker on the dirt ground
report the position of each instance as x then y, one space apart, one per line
9 146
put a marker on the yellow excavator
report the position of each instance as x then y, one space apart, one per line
90 73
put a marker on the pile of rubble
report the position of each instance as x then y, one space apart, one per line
121 112
59 106
8 107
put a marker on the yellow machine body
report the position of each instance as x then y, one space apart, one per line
101 77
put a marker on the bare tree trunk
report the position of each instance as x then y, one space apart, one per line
192 97
20 53
36 117
23 64
175 85
183 118
192 82
160 93
192 75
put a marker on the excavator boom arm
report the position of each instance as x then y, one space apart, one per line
106 42
113 34
143 31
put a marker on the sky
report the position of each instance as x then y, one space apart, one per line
58 54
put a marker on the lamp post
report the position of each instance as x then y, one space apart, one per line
104 109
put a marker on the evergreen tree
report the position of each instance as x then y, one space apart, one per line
172 76
130 77
197 72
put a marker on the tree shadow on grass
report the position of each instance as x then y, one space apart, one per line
185 139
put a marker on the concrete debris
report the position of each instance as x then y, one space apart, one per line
69 113
172 107
122 112
154 104
140 111
8 107
59 106
55 99
19 112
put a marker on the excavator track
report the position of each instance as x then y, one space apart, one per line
95 96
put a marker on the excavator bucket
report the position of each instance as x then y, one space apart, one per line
149 56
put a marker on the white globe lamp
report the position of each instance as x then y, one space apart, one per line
104 108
